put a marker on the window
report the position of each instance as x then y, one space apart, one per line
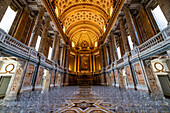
130 42
159 17
8 19
50 53
118 52
38 43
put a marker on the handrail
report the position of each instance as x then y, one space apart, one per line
10 41
154 40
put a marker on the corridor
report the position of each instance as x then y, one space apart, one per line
85 99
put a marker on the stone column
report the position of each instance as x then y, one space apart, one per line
124 35
47 46
3 7
130 25
164 5
67 65
44 35
54 45
67 58
101 58
111 49
114 46
119 41
105 56
22 25
61 55
57 50
108 59
37 27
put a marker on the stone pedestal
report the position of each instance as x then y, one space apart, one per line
121 79
46 81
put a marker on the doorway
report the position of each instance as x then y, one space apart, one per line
4 82
165 84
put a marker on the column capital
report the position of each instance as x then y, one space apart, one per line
120 17
56 33
47 18
126 6
41 7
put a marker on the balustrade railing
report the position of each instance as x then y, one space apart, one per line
160 37
120 60
13 43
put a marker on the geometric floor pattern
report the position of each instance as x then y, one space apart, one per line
86 99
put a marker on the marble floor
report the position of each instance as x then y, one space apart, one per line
86 99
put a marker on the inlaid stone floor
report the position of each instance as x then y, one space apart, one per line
86 99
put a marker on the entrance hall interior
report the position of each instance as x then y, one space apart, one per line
84 56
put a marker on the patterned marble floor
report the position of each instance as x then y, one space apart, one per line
86 99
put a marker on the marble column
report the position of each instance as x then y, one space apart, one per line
108 55
44 35
130 25
57 51
114 45
67 65
164 5
105 56
3 7
124 35
62 56
111 49
119 41
22 25
54 45
37 27
101 58
47 46
67 58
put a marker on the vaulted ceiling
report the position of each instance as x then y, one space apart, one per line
84 23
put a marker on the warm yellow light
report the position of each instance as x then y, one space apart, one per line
72 44
104 29
56 11
64 29
111 10
95 44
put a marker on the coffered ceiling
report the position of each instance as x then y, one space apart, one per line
83 22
